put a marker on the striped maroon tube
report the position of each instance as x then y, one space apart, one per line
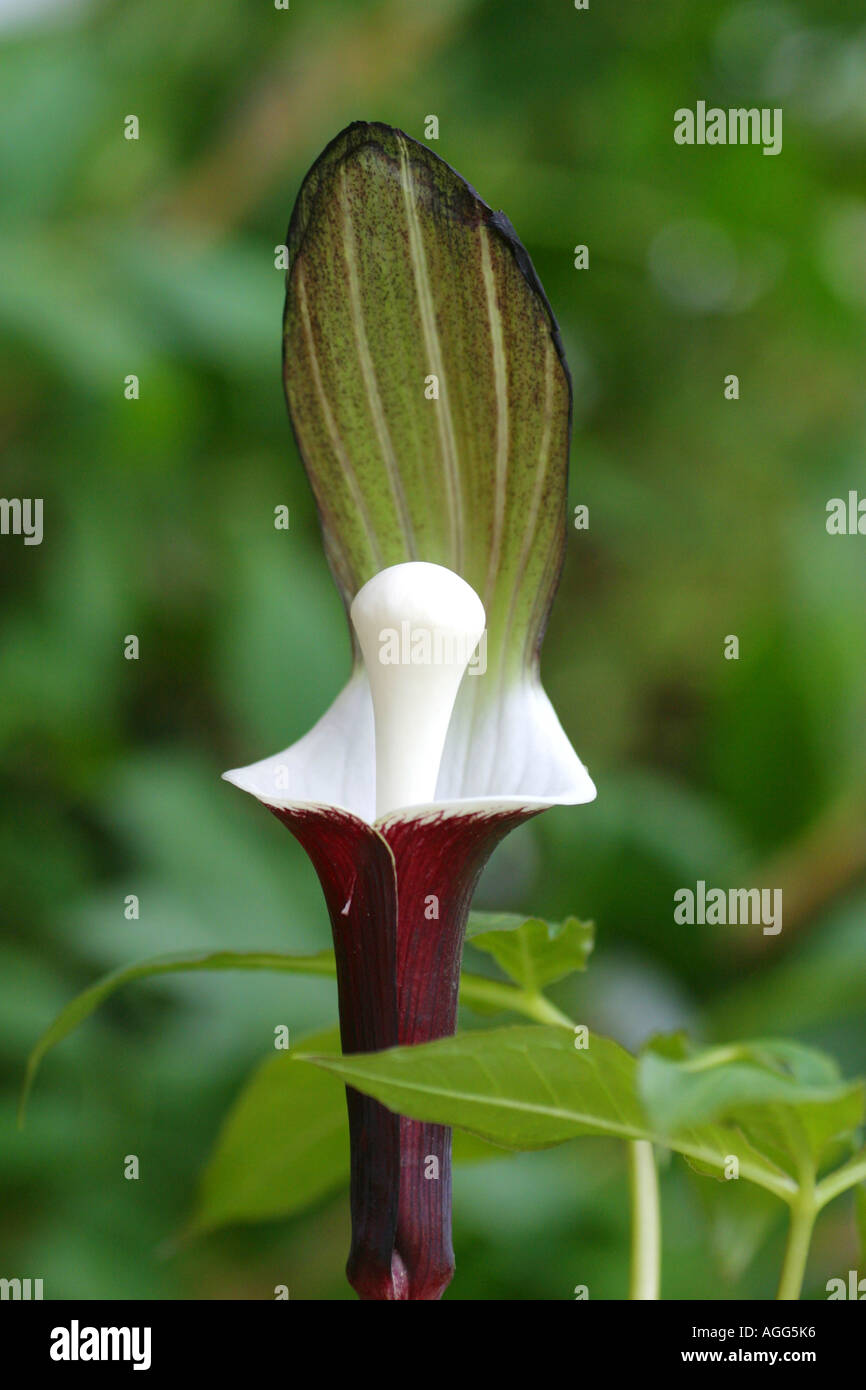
398 898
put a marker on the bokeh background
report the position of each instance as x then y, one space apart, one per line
707 518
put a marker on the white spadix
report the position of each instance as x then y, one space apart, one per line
418 626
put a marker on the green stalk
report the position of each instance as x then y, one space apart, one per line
849 1175
804 1209
477 989
803 1213
646 1253
645 1279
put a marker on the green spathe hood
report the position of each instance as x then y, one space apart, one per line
431 404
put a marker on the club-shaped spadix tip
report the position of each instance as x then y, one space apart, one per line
418 626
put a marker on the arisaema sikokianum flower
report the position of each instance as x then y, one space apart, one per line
431 404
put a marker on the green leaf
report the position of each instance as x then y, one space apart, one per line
282 1146
285 1143
482 922
470 1148
84 1004
473 990
535 953
530 1087
399 274
816 1134
740 1217
789 1100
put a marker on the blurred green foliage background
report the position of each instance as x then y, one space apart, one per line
707 518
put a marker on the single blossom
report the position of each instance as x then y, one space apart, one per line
431 404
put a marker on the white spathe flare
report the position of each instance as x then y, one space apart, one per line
418 626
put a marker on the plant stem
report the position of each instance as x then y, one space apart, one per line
645 1275
849 1175
477 989
803 1212
539 1007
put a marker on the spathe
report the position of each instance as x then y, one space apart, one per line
516 756
431 403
